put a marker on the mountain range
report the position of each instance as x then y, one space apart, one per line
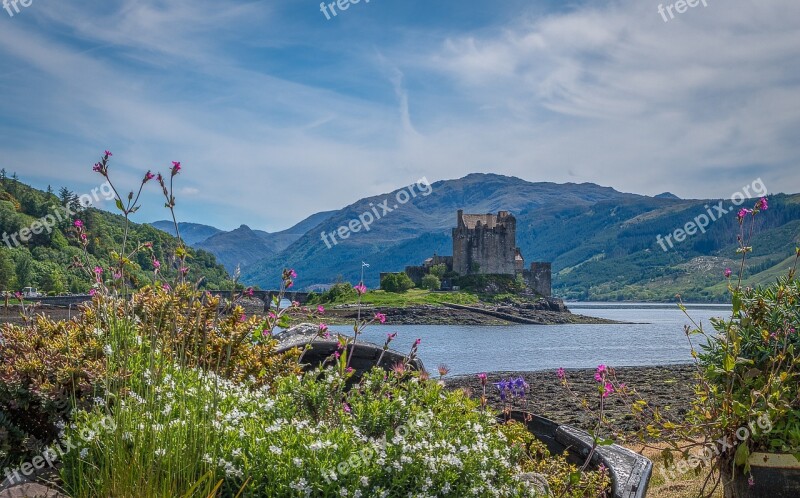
604 244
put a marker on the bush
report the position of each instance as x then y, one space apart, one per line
396 282
431 282
51 367
45 370
438 271
752 365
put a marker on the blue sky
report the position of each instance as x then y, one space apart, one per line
277 113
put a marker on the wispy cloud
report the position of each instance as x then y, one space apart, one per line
277 114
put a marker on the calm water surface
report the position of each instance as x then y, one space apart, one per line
655 338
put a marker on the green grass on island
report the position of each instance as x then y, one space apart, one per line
408 298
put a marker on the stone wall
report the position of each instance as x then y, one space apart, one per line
539 279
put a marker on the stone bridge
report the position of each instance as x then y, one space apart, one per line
265 295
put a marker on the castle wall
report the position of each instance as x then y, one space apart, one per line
539 279
492 245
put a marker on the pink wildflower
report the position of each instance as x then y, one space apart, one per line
184 270
561 373
108 154
320 309
346 407
148 176
92 292
166 287
727 272
742 213
361 288
482 378
176 167
380 317
78 224
156 264
608 389
762 204
98 271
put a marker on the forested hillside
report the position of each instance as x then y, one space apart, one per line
45 260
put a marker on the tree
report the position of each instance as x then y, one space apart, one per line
24 271
53 281
438 271
396 282
431 282
7 271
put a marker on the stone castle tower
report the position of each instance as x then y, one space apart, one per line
486 244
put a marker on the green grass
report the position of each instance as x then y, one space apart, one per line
414 297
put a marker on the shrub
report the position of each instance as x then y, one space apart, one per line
187 327
438 271
431 282
396 282
45 369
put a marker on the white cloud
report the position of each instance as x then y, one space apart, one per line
606 92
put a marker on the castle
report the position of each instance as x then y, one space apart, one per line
486 244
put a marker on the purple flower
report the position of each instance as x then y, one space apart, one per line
380 317
78 224
503 386
762 204
561 373
727 272
361 288
320 309
482 378
750 481
108 154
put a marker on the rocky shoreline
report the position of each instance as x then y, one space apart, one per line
670 388
542 312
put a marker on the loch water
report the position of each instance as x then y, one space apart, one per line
653 336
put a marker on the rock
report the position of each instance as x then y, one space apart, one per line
30 490
536 482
